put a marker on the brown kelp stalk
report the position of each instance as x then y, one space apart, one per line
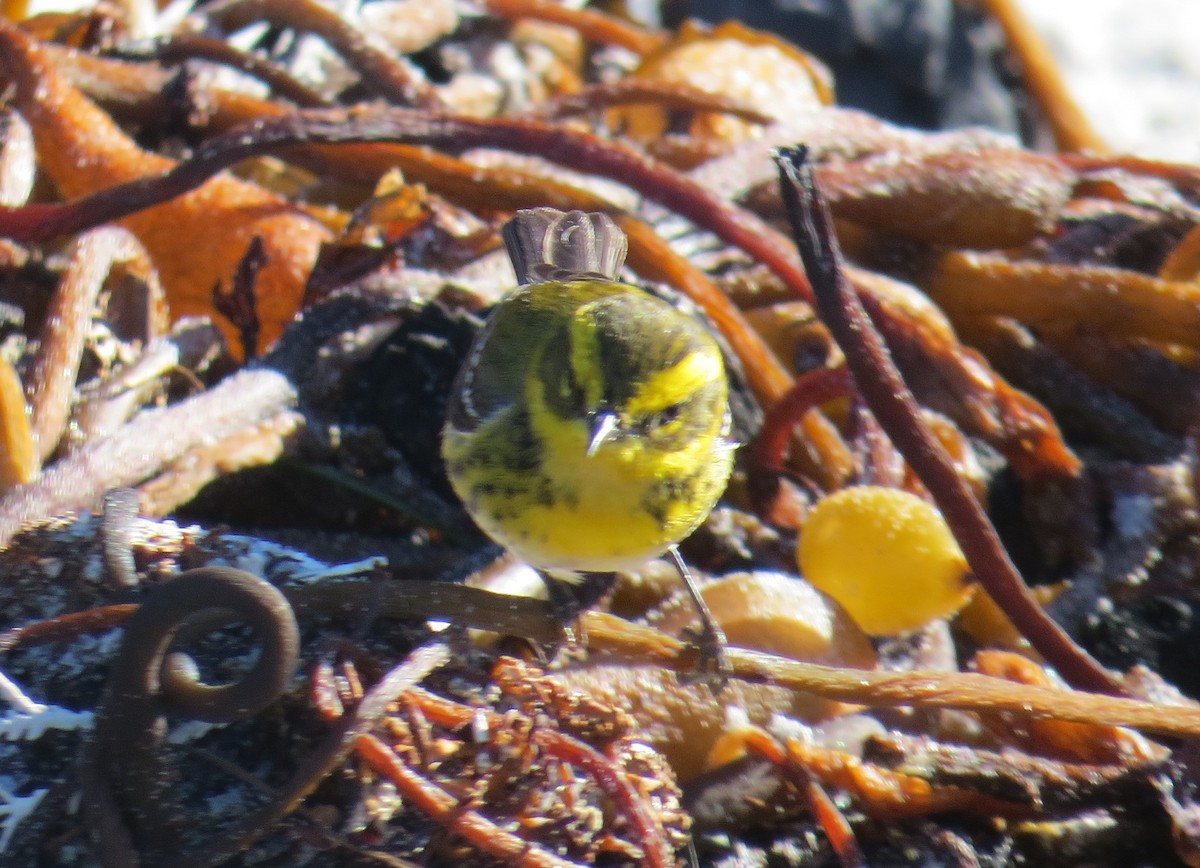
895 408
572 148
181 47
392 78
590 24
965 691
1044 80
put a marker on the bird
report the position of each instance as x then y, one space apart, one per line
588 428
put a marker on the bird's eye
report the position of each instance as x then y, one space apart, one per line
667 415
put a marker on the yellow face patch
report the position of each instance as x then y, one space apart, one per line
677 383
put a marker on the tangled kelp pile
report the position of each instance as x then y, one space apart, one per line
242 265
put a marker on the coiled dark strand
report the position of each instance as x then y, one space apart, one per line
126 776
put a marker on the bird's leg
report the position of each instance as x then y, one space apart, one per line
710 638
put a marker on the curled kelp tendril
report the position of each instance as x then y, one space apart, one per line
125 775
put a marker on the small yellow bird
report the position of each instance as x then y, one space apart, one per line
588 426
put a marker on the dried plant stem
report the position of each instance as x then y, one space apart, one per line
50 386
393 78
768 451
666 94
962 691
572 148
152 440
528 617
894 407
435 802
19 461
1072 129
181 47
328 755
592 25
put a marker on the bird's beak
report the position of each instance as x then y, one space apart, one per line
600 427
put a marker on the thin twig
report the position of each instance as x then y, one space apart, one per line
894 407
921 689
332 751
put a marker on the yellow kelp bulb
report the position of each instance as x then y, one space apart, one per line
887 556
